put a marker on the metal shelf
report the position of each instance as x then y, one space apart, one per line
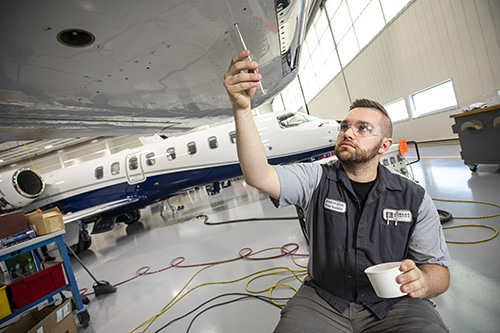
34 244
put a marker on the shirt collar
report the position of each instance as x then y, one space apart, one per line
386 178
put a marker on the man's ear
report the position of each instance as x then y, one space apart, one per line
385 145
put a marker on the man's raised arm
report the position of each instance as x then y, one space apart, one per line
241 87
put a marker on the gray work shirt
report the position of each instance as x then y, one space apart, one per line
399 221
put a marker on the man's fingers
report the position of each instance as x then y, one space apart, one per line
241 87
411 279
407 265
242 77
415 289
241 66
240 56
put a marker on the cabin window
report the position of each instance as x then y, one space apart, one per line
191 148
133 163
99 172
115 168
150 159
212 142
232 136
171 154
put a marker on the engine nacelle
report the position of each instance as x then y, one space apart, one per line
19 187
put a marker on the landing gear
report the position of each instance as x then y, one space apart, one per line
103 225
130 217
213 189
84 241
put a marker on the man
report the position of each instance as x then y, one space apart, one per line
358 213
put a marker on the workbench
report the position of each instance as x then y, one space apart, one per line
33 244
479 134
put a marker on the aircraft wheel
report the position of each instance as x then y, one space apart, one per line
87 239
84 242
77 248
132 217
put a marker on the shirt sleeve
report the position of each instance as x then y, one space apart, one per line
297 183
427 244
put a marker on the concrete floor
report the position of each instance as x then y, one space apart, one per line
470 305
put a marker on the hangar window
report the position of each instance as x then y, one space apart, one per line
171 153
212 142
440 97
115 168
191 148
232 136
150 159
397 110
99 172
133 163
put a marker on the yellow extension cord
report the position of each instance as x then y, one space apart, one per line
466 217
255 275
472 217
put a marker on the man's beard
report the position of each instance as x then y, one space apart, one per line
358 157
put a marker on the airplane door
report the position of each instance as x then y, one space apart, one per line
135 171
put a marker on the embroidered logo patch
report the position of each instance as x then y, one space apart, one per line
336 206
395 215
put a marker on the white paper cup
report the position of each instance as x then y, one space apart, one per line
383 279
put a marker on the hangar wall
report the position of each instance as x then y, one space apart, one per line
430 42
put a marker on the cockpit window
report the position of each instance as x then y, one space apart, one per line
294 119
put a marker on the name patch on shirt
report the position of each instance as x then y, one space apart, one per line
395 215
336 206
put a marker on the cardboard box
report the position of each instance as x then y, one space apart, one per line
52 319
12 223
45 222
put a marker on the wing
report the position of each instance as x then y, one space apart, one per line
137 66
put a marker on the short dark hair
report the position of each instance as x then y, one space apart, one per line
368 103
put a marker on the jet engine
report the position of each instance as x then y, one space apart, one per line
19 187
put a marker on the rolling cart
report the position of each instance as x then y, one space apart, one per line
33 244
479 134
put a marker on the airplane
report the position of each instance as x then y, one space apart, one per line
113 188
85 68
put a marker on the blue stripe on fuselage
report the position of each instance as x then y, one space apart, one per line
160 187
